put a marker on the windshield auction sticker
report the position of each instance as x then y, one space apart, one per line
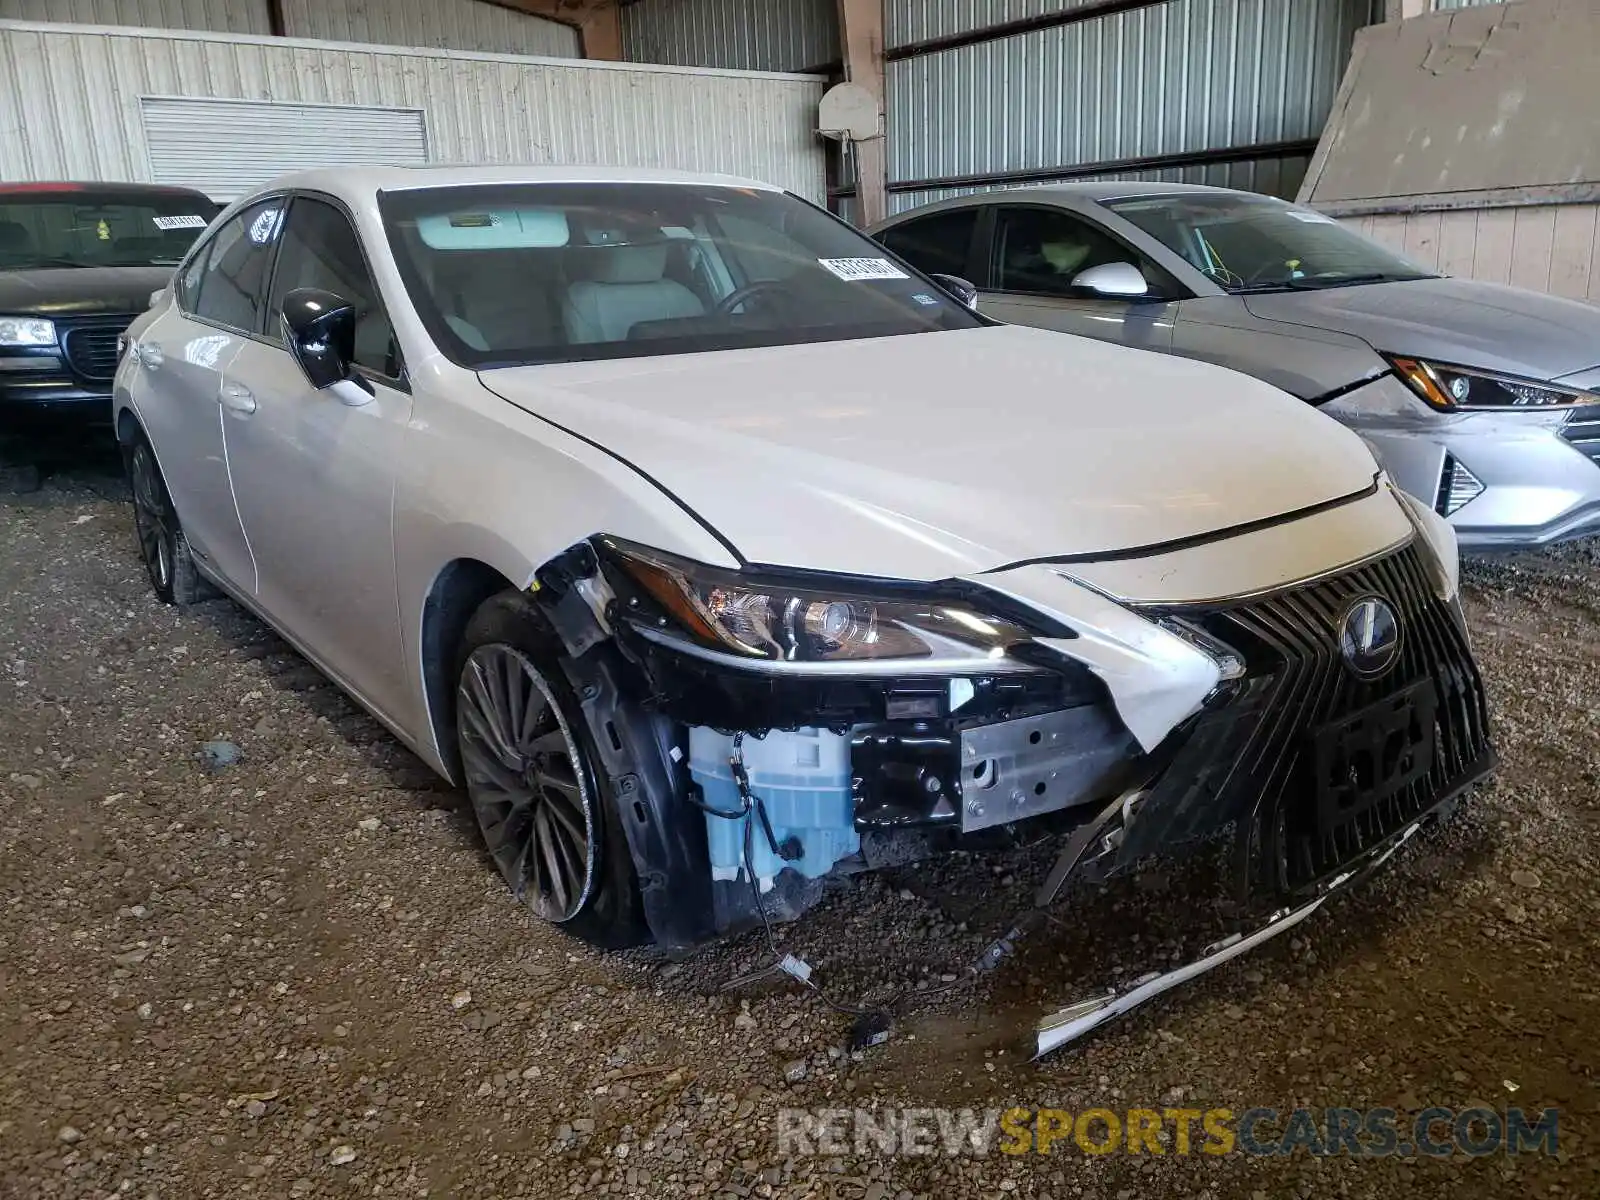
854 270
180 222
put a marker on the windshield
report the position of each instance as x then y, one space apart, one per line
99 228
1257 244
529 273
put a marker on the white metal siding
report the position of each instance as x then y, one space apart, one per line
757 35
69 103
218 16
440 24
267 139
1546 247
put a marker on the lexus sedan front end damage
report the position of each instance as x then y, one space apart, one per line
716 554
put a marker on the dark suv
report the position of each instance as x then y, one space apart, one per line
78 262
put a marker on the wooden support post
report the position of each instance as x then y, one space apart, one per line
861 41
596 21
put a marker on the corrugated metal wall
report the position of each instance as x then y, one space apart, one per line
1546 247
441 24
69 103
755 35
219 16
1170 78
907 21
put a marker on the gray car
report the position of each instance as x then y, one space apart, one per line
1482 400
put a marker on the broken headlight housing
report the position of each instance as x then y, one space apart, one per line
799 621
1455 389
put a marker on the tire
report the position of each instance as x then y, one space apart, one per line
531 770
162 544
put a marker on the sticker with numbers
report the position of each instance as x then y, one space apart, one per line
857 269
180 222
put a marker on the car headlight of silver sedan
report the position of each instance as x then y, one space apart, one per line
802 622
1456 389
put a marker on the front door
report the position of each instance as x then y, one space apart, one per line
315 475
1036 254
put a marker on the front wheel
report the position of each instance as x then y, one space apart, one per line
527 758
162 544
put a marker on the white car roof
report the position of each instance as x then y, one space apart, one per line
357 184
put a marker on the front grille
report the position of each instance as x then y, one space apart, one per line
91 349
1583 431
1254 760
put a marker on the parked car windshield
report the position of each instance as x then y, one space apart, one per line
98 227
534 273
1258 244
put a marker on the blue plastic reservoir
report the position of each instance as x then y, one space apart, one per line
803 778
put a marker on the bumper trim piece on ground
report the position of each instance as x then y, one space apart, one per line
1076 1019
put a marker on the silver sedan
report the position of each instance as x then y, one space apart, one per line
1481 400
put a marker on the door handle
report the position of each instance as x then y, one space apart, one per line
238 398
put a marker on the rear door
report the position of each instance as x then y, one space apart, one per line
315 476
178 389
1035 253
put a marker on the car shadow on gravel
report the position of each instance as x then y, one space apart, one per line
40 467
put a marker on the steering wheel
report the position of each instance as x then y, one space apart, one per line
739 296
1266 267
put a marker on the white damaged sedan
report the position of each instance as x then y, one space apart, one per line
716 554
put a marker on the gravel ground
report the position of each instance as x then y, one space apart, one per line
298 975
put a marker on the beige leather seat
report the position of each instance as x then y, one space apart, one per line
624 286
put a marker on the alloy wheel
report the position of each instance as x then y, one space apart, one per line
528 782
150 516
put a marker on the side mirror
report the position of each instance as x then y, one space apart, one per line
1118 279
962 289
319 328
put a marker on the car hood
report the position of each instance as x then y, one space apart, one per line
80 291
940 454
1458 321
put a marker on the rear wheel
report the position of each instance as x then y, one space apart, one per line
526 755
162 544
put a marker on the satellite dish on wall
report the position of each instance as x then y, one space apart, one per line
849 113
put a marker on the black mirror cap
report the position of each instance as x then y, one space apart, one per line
320 330
963 290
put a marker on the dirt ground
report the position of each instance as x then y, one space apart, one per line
299 976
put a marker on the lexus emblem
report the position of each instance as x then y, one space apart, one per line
1369 637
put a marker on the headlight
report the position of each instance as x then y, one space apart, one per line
1453 389
27 331
819 624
